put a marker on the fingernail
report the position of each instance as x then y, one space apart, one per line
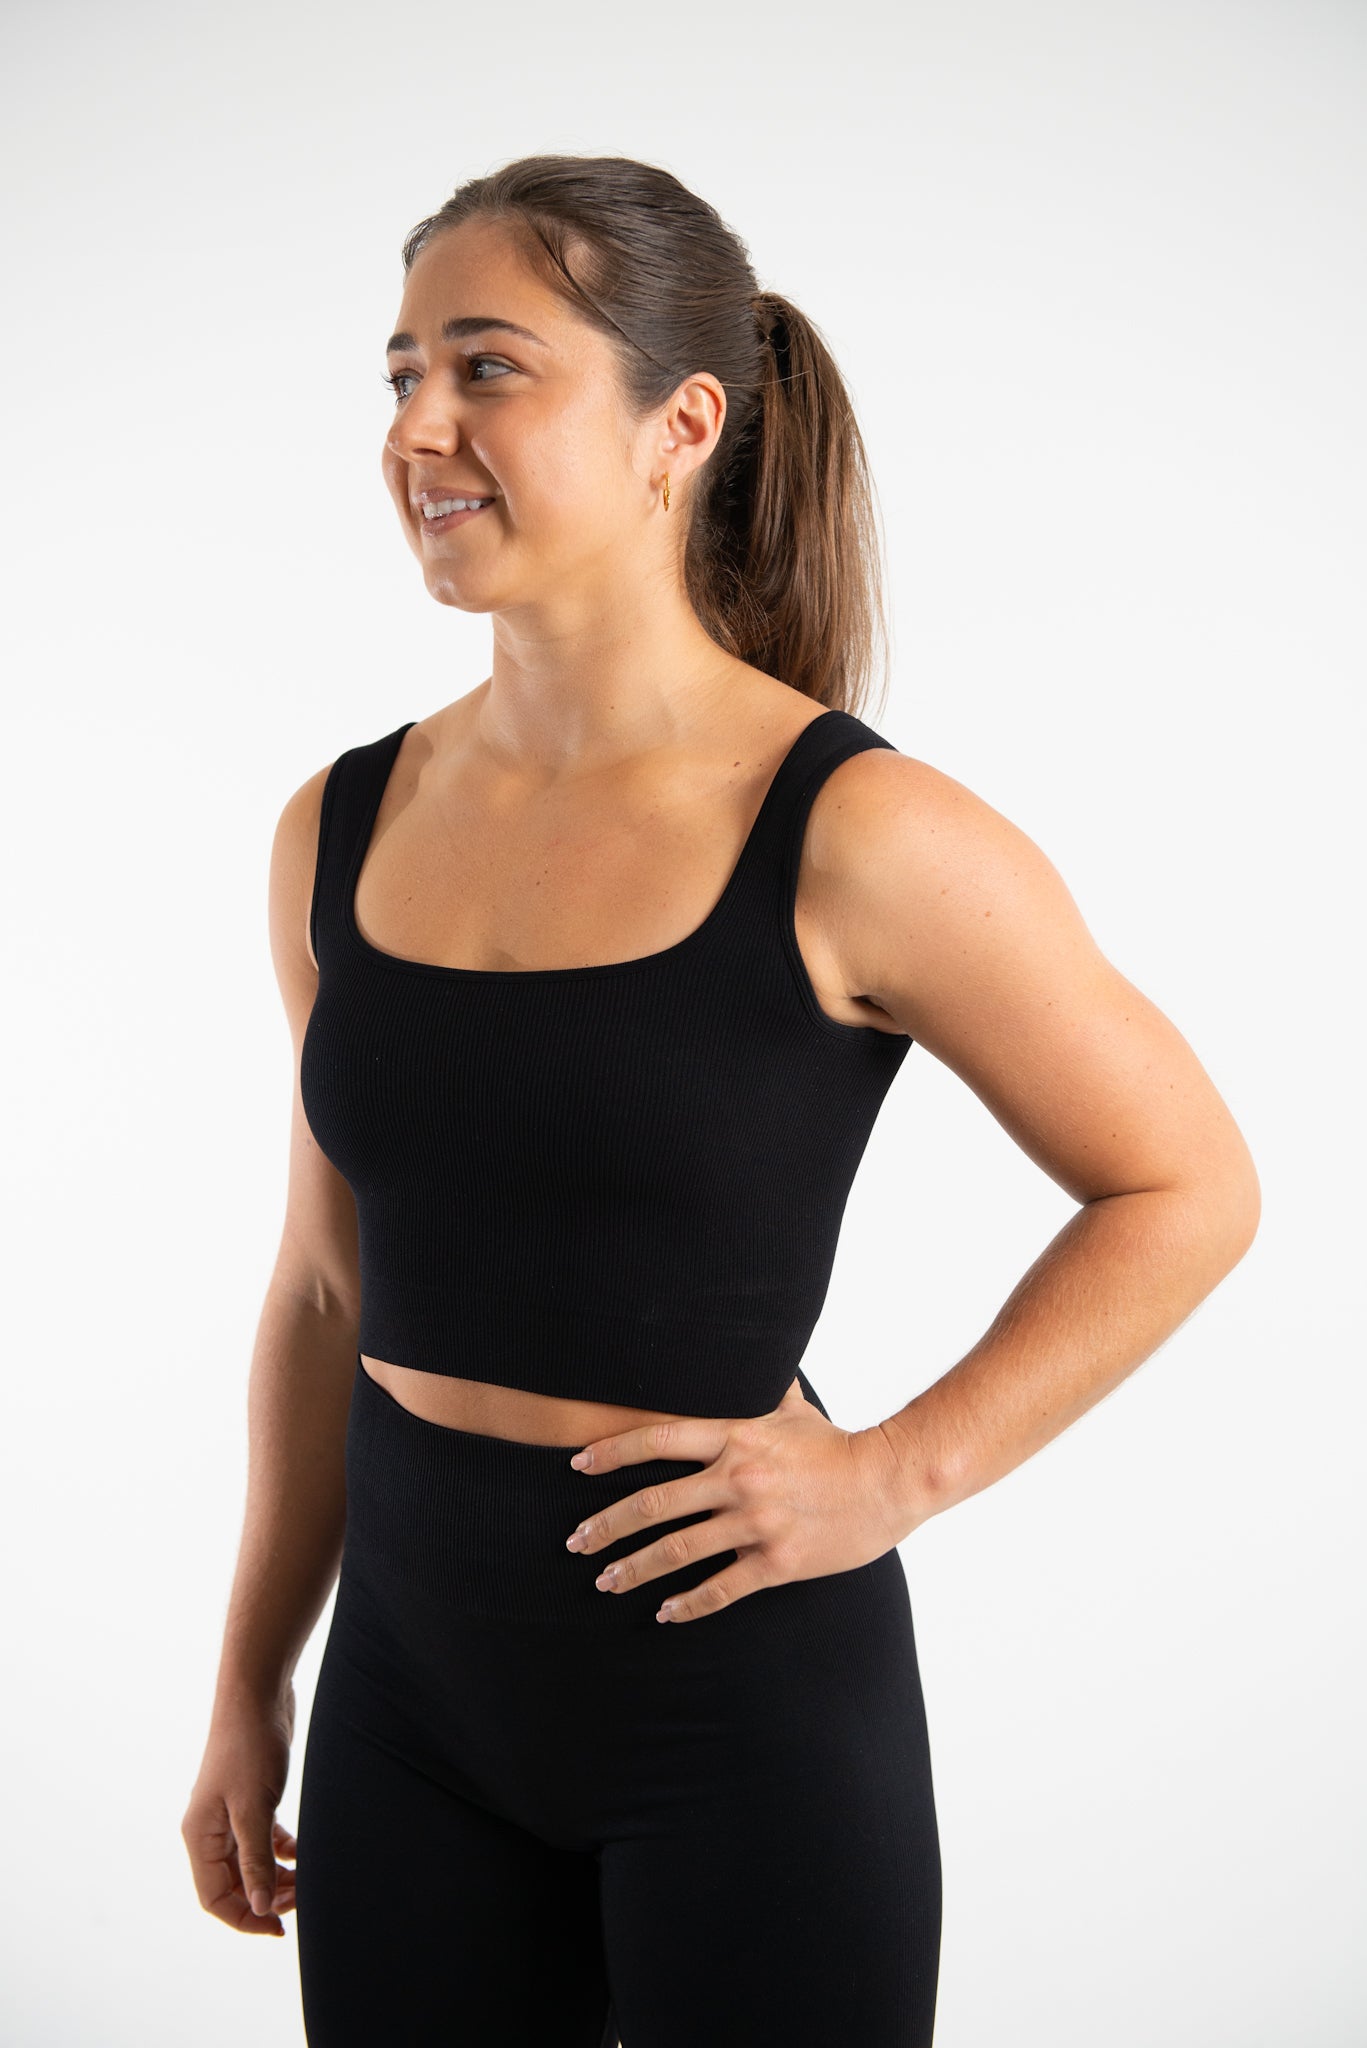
580 1460
261 1902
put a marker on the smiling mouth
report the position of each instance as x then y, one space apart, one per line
451 519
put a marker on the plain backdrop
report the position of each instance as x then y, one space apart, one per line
1095 275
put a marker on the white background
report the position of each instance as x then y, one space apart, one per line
1095 275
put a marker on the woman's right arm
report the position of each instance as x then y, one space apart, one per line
299 1392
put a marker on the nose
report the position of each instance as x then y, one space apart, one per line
428 422
435 434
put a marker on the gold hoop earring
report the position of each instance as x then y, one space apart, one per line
666 490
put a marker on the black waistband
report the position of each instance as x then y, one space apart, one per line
480 1522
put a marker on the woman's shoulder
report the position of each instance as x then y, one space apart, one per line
888 802
936 896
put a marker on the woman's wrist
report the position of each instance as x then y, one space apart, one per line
252 1691
903 1478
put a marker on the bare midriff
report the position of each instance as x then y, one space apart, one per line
485 1410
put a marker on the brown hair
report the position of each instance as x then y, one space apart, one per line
782 561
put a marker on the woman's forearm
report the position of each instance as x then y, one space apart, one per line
298 1398
1123 1274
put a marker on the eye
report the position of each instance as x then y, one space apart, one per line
498 364
401 376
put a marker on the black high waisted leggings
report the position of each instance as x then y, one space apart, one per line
532 1816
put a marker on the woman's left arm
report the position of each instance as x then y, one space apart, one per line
955 923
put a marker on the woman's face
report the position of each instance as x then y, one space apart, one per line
536 425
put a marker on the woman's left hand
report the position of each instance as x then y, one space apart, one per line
793 1494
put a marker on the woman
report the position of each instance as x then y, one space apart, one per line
597 978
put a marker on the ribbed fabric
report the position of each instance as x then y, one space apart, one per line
621 1182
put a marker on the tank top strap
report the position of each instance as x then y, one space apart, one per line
351 799
773 853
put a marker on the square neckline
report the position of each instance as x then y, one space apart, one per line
594 967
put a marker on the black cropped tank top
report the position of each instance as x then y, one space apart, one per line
620 1182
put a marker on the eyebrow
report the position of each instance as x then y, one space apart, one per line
460 330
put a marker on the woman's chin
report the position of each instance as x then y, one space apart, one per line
463 593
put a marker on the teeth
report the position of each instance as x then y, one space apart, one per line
446 505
